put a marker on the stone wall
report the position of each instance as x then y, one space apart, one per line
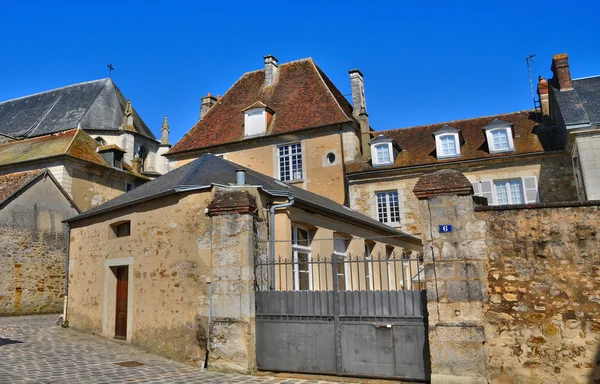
542 320
33 250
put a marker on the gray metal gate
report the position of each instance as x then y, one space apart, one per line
344 315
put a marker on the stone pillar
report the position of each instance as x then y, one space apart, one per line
455 276
235 231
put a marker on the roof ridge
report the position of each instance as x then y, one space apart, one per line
286 63
55 89
450 122
72 140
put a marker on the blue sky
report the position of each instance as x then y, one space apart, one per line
423 62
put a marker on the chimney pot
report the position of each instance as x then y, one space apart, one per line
207 103
357 84
241 177
562 72
271 70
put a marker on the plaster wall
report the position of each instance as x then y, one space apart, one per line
588 148
33 250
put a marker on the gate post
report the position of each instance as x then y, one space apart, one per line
235 231
454 252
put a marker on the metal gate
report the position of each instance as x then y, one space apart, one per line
343 315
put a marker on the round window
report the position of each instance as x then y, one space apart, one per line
331 157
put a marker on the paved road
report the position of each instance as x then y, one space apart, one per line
34 350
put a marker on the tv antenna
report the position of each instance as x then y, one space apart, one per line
111 68
529 60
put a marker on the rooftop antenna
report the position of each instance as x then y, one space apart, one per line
529 60
111 68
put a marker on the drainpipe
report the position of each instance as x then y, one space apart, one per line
290 202
67 273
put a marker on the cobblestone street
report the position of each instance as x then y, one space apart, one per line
34 350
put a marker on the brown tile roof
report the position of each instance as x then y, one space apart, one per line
74 142
13 182
418 143
303 97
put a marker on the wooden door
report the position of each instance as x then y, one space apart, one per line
121 315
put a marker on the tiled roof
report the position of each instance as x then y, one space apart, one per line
581 105
208 170
13 182
94 105
302 97
74 142
418 144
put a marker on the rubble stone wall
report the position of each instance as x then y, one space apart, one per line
542 320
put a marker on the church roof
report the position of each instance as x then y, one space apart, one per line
95 105
301 98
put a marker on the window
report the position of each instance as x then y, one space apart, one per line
255 122
509 191
290 162
121 229
384 150
499 136
447 142
382 154
448 146
388 209
301 253
100 141
128 187
340 247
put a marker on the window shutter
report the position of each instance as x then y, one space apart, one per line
487 191
531 191
476 188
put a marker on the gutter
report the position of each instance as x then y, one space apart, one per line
67 274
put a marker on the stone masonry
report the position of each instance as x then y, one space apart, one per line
455 275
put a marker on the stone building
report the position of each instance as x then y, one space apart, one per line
289 121
33 240
154 249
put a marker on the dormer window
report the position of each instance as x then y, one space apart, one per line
499 135
447 142
384 150
256 119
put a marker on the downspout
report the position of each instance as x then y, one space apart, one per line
291 197
68 242
346 192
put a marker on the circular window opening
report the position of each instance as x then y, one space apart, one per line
331 157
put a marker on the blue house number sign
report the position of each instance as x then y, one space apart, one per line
445 228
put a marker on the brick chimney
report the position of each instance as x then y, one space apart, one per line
271 70
207 103
542 90
359 102
562 72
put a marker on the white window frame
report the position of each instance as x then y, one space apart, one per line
487 189
342 256
293 176
490 139
388 210
438 145
304 249
375 154
255 122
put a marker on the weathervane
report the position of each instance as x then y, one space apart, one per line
110 69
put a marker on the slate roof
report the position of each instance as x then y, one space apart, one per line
303 97
418 143
582 104
208 170
95 105
13 182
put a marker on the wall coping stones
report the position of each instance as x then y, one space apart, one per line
562 204
443 182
